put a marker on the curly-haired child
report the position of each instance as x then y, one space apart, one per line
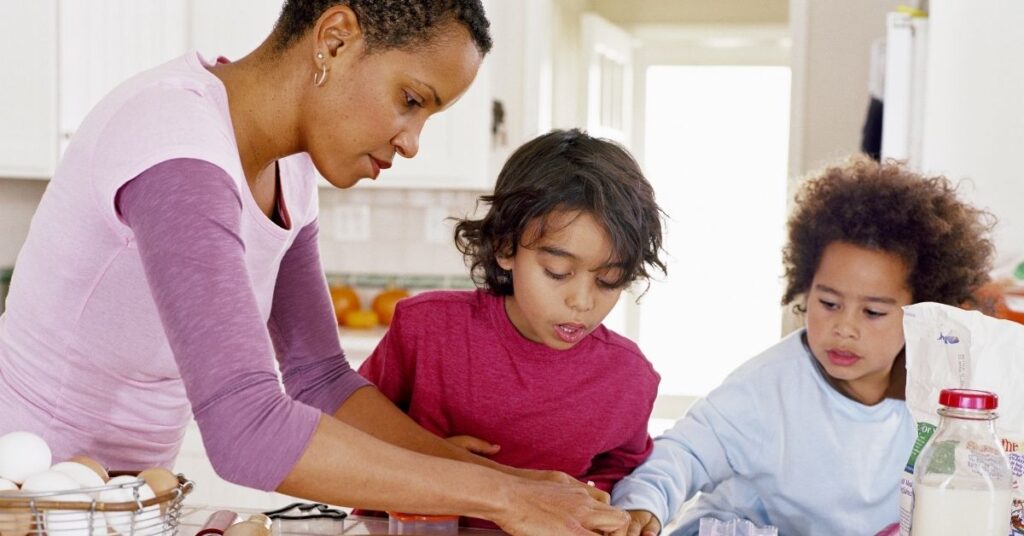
811 435
522 369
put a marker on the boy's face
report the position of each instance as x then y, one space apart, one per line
855 319
560 282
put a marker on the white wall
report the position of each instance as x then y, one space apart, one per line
693 11
831 53
974 108
569 85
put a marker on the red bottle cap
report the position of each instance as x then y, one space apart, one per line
968 399
407 518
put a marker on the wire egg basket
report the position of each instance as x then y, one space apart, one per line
80 513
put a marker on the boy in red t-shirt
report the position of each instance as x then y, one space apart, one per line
522 370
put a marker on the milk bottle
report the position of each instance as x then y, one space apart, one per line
962 479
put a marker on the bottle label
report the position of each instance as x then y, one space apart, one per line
925 430
1014 449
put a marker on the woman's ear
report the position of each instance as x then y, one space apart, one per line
337 30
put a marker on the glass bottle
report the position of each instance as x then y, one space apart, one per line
962 479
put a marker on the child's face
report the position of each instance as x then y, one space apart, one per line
560 282
855 320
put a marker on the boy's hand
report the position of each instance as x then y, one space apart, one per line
475 445
643 523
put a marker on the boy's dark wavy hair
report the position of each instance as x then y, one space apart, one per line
943 240
565 170
388 24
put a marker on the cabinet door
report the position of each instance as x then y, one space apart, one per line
230 28
523 86
28 95
104 43
454 146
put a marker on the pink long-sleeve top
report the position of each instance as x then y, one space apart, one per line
151 289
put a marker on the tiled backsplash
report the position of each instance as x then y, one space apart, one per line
362 230
399 232
18 201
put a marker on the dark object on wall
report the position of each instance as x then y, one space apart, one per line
871 135
5 283
499 127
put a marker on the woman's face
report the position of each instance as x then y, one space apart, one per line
373 106
855 318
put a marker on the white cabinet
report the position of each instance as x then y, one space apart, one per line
105 43
454 147
230 28
60 57
28 93
523 84
458 149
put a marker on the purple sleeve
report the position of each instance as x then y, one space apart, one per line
304 330
185 215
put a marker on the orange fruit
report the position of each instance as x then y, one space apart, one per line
345 299
360 319
385 302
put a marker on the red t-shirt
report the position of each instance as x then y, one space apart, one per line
455 363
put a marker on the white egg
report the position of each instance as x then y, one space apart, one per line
86 477
65 522
7 485
75 522
146 522
49 481
22 454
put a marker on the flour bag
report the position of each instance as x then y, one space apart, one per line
948 347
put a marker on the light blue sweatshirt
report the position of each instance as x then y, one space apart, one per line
777 445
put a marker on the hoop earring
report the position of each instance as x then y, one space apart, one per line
320 78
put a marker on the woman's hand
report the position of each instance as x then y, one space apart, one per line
643 523
558 476
540 507
475 445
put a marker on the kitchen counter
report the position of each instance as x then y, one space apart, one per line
358 344
193 517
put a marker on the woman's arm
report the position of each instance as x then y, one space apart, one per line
305 332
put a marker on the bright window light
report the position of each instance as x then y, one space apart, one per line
716 147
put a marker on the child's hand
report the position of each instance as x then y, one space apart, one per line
643 523
475 445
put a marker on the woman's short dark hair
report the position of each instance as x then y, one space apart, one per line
565 171
941 239
388 24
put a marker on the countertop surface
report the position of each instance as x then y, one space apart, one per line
194 517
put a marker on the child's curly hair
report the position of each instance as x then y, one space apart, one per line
942 240
565 170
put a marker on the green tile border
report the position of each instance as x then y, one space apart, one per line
410 281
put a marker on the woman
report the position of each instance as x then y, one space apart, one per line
174 256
